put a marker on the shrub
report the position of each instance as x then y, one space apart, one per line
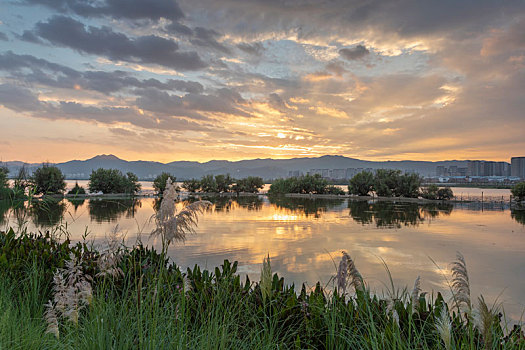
332 189
518 191
192 185
48 180
159 184
113 181
77 190
361 184
445 193
430 192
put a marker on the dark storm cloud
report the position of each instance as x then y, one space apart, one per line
3 36
354 53
34 70
103 41
119 9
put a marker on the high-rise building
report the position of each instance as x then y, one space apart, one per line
517 167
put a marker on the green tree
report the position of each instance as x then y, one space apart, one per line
4 172
224 182
192 185
159 184
250 184
77 190
48 179
4 185
113 181
208 184
518 191
408 185
386 182
361 184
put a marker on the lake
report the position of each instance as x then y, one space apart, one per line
304 238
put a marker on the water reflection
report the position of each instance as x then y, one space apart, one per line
112 210
394 215
227 204
518 215
307 206
47 213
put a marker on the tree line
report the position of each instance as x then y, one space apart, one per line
212 184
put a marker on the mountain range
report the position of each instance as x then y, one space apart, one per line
265 168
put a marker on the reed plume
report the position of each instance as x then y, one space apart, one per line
72 291
111 255
51 319
347 269
171 225
415 294
460 282
444 327
266 278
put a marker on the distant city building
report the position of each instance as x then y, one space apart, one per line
338 173
295 173
487 168
518 167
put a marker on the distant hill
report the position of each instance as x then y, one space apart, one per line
266 168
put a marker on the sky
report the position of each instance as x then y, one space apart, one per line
167 80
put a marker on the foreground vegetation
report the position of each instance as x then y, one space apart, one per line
58 295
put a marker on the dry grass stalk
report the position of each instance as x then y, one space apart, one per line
111 256
460 282
415 293
171 225
444 327
484 319
266 278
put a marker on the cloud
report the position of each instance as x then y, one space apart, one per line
354 53
118 9
103 41
30 37
208 38
3 37
255 49
18 99
34 70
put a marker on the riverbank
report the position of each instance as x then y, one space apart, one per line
75 297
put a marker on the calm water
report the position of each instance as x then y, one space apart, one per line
302 237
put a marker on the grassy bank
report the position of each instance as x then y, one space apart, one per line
56 295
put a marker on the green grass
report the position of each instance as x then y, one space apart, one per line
149 308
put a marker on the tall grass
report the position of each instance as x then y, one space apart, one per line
153 304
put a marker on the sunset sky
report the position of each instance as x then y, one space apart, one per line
239 79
